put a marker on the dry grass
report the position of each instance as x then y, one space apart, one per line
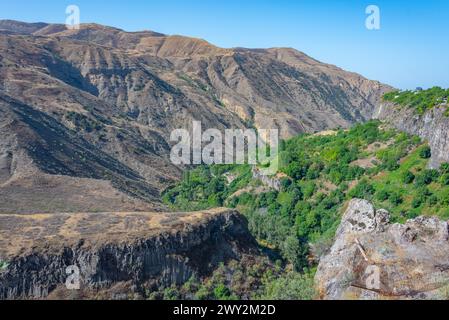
19 234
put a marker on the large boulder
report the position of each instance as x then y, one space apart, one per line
373 259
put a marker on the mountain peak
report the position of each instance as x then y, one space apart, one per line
21 27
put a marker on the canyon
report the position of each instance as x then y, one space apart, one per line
88 113
86 119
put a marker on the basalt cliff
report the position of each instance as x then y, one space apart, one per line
432 126
116 255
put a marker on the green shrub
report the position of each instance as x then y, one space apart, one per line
382 195
391 165
444 179
426 178
171 293
3 265
408 177
294 286
221 292
417 201
425 153
395 198
444 168
364 190
424 191
433 200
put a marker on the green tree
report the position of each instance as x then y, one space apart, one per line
425 153
382 195
294 286
395 198
408 177
292 251
221 292
364 190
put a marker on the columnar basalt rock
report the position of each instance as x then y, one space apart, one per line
139 249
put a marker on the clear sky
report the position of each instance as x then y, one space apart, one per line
411 49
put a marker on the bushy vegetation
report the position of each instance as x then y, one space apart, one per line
208 187
244 280
420 100
412 189
292 286
318 175
3 265
83 122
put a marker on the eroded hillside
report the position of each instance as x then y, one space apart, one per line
100 103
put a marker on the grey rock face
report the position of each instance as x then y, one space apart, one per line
160 259
272 182
432 126
372 259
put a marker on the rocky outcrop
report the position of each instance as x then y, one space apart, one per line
373 259
273 182
142 250
432 126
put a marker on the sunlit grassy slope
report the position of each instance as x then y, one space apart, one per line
420 100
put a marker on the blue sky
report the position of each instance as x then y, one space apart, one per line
411 49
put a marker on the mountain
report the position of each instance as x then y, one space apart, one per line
89 112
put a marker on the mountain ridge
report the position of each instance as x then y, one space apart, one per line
124 93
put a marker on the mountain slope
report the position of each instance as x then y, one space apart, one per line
122 93
424 113
296 91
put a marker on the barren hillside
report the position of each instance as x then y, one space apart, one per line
99 104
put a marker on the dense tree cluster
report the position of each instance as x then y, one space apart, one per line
420 100
320 174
